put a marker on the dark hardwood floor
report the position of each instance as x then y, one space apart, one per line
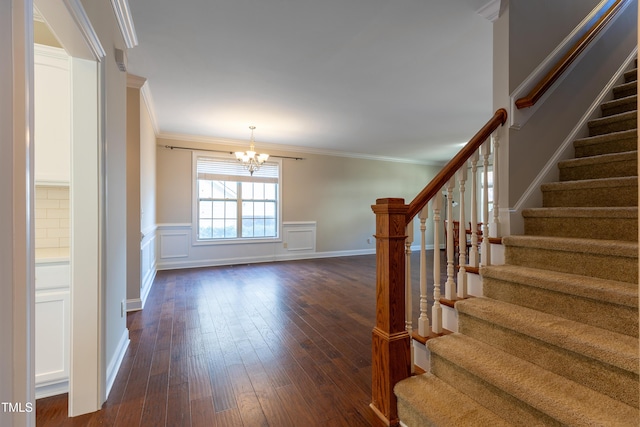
275 344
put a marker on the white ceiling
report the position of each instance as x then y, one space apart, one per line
408 79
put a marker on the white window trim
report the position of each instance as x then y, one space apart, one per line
195 240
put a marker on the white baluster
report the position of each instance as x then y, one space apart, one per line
423 320
473 253
485 152
436 310
496 207
462 234
407 292
450 285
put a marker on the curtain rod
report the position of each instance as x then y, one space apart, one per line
171 147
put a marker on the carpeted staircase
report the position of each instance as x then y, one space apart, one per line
554 340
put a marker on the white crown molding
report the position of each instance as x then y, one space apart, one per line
289 148
135 82
148 100
84 24
125 22
140 83
50 52
491 10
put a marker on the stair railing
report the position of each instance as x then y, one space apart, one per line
392 355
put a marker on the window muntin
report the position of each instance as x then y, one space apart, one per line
232 204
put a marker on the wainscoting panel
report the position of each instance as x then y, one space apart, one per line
300 236
176 248
148 266
174 243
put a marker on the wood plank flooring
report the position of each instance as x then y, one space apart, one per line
276 344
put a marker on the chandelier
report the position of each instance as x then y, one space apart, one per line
249 159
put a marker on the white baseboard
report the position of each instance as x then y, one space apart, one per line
173 265
137 304
52 389
116 361
134 304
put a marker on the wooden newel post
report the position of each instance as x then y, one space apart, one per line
391 356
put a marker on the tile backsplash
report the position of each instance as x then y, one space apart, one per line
52 217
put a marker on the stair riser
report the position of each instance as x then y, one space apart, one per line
488 395
591 197
581 227
626 142
604 127
605 169
599 313
627 89
610 109
623 269
604 378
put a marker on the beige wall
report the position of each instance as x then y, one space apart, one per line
147 170
141 195
336 192
133 193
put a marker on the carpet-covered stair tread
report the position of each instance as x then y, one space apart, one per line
425 400
529 394
605 259
611 291
626 89
594 357
631 75
621 105
606 304
613 123
600 166
620 191
599 344
617 223
614 142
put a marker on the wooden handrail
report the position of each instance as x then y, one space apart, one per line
420 201
563 64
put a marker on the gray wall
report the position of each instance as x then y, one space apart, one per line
536 28
535 31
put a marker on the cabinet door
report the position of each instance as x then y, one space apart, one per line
52 117
52 336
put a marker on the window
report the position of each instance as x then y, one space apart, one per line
232 204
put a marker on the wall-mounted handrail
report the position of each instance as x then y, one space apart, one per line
420 201
565 62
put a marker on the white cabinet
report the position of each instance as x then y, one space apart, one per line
52 116
53 304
